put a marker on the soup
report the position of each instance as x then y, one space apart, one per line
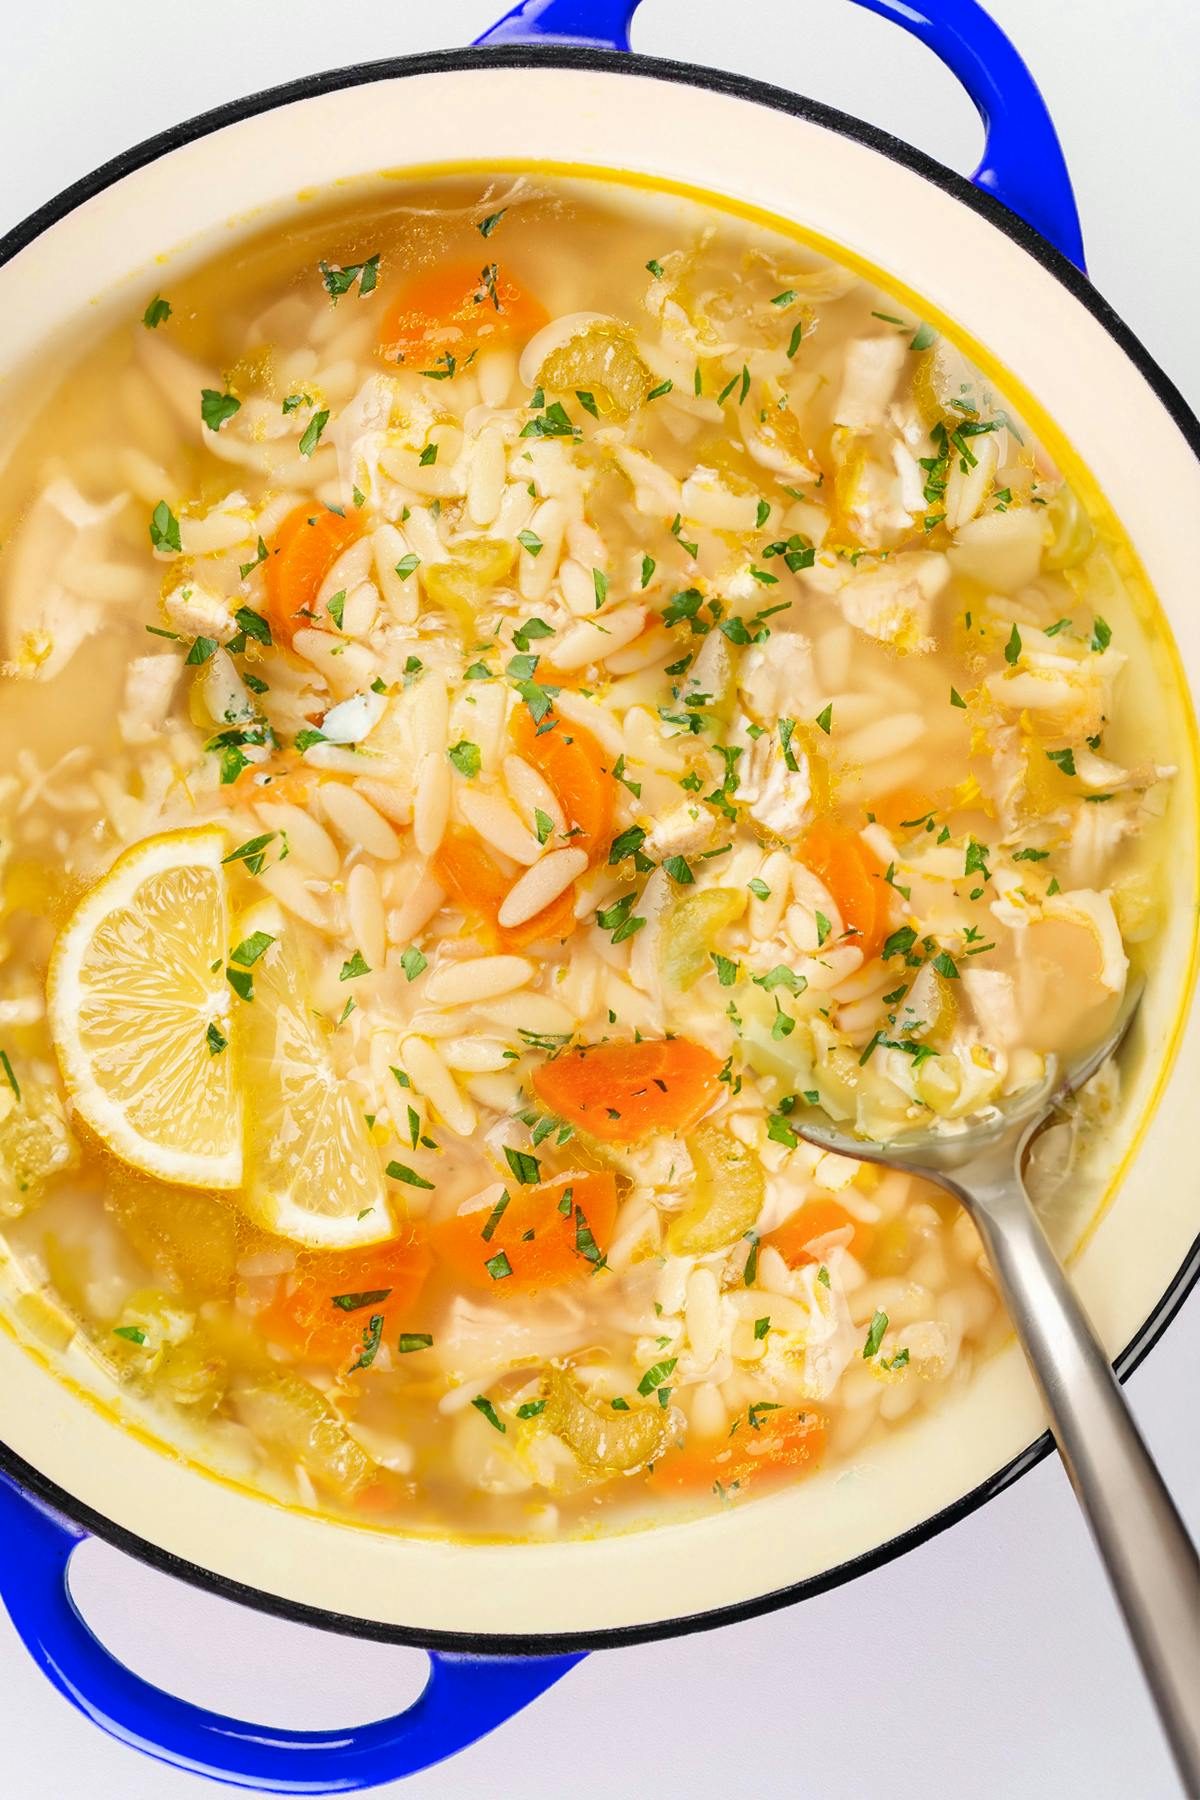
508 689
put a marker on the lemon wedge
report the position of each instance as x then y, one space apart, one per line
139 1012
312 1173
187 1083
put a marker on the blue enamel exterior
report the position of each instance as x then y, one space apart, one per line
466 1696
1022 160
598 24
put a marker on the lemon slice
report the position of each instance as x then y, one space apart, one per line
139 1012
312 1173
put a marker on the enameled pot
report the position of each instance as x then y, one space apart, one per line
1000 262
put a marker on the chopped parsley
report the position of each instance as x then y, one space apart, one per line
879 1325
251 948
398 1171
242 983
656 1374
313 430
781 976
619 918
164 528
216 407
339 280
260 556
466 758
531 630
254 625
553 422
372 1337
413 961
526 1168
353 1302
251 852
495 1216
482 1404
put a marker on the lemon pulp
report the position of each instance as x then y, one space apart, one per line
311 1171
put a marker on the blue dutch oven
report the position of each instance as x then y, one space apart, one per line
1001 257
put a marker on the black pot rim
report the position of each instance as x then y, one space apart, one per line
1078 285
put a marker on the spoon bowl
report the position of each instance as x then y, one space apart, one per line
939 1153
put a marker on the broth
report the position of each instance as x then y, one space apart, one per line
503 691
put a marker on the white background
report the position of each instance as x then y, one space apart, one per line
989 1663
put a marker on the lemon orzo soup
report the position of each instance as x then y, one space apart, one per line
505 688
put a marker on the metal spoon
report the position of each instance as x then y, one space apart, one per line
1150 1559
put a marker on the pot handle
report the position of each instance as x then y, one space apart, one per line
464 1698
1022 164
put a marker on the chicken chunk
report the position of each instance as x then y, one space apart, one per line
150 683
871 371
196 612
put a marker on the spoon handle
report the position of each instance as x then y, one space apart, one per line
1151 1561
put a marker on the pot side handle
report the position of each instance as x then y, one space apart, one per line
464 1698
1023 164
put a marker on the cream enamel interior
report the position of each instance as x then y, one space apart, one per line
924 240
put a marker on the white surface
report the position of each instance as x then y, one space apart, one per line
989 1661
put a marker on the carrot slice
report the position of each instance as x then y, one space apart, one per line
300 556
909 806
621 1092
574 765
854 877
290 780
765 1448
536 1237
306 1318
456 310
815 1219
470 876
